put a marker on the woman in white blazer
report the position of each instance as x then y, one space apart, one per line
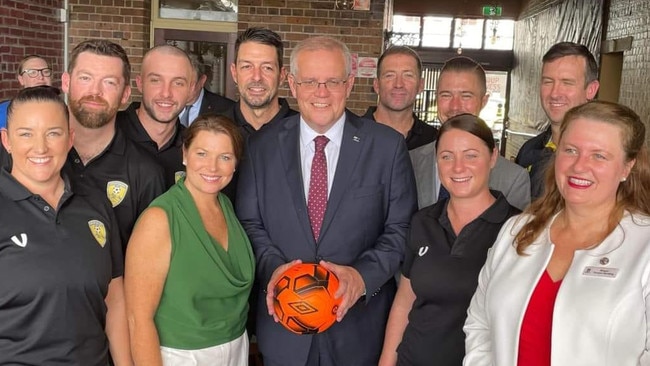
568 281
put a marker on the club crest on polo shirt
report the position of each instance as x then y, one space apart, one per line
178 175
98 230
116 191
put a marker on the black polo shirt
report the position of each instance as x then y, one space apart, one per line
169 156
246 129
55 268
421 133
535 156
128 175
443 269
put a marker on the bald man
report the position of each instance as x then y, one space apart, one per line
165 81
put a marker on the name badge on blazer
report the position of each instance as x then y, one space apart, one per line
600 272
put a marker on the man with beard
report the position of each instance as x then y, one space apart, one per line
398 82
202 100
165 81
97 83
258 72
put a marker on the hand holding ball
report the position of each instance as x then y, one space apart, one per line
304 298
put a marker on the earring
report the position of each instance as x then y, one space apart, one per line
184 162
623 179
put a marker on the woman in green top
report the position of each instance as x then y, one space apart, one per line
189 264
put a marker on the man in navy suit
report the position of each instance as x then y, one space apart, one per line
327 187
201 99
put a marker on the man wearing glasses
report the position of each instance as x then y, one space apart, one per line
327 187
33 70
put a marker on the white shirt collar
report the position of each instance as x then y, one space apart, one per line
334 134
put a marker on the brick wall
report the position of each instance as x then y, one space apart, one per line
569 20
295 20
125 22
632 18
28 27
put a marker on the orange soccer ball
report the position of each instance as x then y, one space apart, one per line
304 298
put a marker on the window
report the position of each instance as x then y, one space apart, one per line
446 32
499 34
406 31
436 31
468 33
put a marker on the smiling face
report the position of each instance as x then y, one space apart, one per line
166 83
96 89
464 163
563 86
257 74
398 82
38 138
590 164
459 92
322 107
210 162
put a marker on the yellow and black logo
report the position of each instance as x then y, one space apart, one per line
178 175
116 191
98 230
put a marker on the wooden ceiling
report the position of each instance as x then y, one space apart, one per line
511 8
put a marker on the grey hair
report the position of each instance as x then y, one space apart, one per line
321 43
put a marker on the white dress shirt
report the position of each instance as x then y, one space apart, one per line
308 148
194 111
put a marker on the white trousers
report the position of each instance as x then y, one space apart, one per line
233 353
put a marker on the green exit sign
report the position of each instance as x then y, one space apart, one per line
492 11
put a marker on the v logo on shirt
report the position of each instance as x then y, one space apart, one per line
22 242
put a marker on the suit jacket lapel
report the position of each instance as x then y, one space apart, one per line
351 145
289 145
423 160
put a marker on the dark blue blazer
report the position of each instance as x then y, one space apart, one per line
214 103
368 212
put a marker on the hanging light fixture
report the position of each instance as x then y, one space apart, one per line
344 4
495 29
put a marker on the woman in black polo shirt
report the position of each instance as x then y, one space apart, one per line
446 248
61 293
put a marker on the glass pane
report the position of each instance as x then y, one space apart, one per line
492 113
214 10
406 31
499 34
212 56
468 33
436 32
406 24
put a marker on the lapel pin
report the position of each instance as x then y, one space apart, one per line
604 261
356 139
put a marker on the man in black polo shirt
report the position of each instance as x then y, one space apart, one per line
258 72
398 82
97 83
165 81
569 78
